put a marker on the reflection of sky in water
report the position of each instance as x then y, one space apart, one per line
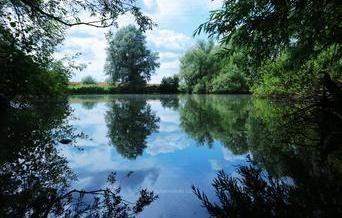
170 164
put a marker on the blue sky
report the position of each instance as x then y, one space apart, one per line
176 19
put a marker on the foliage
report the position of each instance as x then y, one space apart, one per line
88 80
129 61
286 43
198 66
30 32
129 124
103 88
169 84
22 76
279 78
205 70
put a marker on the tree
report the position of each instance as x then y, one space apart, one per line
198 66
88 80
129 61
304 31
169 84
205 70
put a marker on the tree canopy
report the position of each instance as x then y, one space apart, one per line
129 61
205 70
286 43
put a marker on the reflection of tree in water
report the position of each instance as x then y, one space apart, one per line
88 105
130 122
296 167
169 101
222 118
35 180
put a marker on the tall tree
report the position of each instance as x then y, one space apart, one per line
129 61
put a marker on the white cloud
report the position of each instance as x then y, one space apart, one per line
167 144
170 45
168 40
167 10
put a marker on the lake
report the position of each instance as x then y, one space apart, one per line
164 143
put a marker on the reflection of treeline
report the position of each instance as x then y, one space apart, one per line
296 165
221 118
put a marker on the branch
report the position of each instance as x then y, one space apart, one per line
60 20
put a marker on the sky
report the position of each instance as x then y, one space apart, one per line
176 20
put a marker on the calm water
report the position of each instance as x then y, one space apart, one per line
162 140
165 143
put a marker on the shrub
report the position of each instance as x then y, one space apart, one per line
88 80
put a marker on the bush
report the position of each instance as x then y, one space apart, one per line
169 84
88 80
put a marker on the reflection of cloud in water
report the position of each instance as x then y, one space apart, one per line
229 160
138 179
91 122
168 127
229 156
171 142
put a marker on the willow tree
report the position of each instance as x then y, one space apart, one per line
129 61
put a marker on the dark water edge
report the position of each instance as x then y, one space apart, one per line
166 144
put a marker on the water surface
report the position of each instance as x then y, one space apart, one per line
163 143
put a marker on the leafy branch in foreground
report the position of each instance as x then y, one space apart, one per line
27 19
253 193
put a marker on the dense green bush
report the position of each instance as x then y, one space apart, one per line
24 76
205 70
280 77
88 80
169 84
286 46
